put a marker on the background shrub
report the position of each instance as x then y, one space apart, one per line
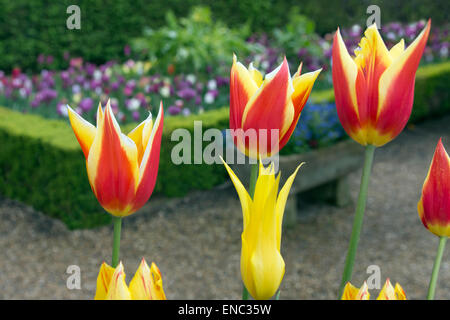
30 28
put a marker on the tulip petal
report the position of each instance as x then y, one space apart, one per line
148 169
349 90
387 292
118 289
84 131
303 85
271 107
242 88
396 89
112 166
103 281
399 292
244 197
140 135
434 204
157 284
281 202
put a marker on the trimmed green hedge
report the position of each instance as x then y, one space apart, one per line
42 164
29 28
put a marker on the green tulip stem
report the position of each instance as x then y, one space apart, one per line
358 219
436 266
117 221
253 177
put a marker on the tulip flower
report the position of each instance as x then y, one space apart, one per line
434 206
145 285
374 94
374 90
262 266
122 169
264 113
388 292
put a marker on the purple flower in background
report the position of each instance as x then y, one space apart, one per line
86 104
41 59
174 110
50 59
187 93
136 115
127 50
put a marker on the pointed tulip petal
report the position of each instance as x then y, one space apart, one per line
84 131
303 85
242 88
349 90
118 289
148 170
103 280
396 89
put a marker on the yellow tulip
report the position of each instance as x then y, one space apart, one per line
145 285
262 266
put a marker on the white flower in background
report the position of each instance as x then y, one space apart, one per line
356 28
97 75
23 92
265 65
164 91
76 88
209 98
391 35
212 84
134 104
444 52
191 78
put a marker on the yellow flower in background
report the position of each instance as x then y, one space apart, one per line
145 285
388 292
262 266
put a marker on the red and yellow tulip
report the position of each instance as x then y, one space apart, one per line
374 90
434 204
145 285
262 266
388 292
265 112
122 169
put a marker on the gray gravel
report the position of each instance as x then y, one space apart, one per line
195 241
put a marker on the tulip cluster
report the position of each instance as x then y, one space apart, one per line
374 92
388 292
145 285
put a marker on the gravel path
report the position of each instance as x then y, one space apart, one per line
195 241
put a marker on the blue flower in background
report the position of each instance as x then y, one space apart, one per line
318 127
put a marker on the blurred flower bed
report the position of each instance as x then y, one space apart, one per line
186 64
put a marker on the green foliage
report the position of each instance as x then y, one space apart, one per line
193 43
29 28
42 164
299 32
